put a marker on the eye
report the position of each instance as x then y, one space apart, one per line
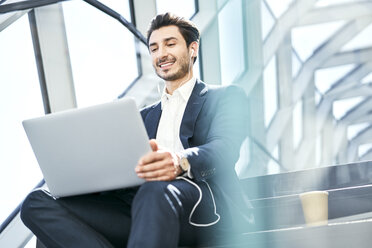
153 49
171 44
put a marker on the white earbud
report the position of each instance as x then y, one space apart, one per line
192 52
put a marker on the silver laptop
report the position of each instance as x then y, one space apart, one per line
91 149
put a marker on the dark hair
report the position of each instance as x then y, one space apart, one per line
188 29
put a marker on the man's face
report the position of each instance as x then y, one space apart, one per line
170 55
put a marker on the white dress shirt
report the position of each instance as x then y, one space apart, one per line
173 107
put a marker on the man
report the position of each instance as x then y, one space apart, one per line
192 194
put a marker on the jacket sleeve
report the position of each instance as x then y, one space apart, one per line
228 128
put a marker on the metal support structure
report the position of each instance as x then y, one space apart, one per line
55 57
283 27
361 111
18 5
359 56
8 18
304 157
254 53
284 72
338 12
330 47
350 81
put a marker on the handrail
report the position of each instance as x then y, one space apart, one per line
24 5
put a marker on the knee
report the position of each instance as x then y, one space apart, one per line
149 190
159 195
151 194
33 203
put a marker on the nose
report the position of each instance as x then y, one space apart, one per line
162 53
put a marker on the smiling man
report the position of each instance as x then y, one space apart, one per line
191 194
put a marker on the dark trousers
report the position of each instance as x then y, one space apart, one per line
156 214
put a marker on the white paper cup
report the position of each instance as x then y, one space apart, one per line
315 207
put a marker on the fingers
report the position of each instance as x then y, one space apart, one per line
157 166
154 145
154 156
157 171
159 175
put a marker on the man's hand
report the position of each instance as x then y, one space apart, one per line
158 165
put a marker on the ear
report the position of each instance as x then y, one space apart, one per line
194 48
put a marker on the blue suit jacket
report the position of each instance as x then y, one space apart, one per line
213 127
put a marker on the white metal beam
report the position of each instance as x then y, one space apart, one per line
336 13
367 156
355 91
144 11
329 48
9 18
366 117
304 157
55 57
284 76
360 56
351 80
253 41
364 137
359 111
283 26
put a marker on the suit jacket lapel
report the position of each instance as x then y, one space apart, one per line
152 120
192 110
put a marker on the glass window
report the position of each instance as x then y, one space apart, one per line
31 243
307 39
196 68
297 124
279 7
122 7
102 52
364 149
354 130
184 8
342 107
272 166
231 41
327 77
318 97
362 40
367 79
296 64
21 99
270 91
267 20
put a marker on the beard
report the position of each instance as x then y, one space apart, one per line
183 70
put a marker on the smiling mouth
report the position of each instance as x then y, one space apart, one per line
166 64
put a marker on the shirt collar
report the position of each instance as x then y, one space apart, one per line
184 91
